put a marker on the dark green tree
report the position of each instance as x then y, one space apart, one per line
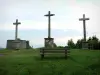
99 45
93 42
60 46
90 45
71 44
79 44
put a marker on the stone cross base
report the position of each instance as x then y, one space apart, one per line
17 44
49 42
84 45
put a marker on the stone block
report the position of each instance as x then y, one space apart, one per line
49 42
17 44
84 45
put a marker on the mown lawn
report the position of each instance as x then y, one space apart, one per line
28 62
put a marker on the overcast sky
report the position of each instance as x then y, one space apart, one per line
65 24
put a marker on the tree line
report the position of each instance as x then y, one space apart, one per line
93 43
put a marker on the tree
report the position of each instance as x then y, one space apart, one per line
71 44
79 44
99 45
90 46
60 46
93 42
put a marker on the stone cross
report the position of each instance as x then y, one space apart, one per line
16 31
49 19
84 27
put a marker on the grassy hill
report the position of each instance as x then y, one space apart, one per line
28 62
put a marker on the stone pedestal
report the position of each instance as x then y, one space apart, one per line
17 44
49 42
84 45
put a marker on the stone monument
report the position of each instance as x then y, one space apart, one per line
49 42
84 43
17 43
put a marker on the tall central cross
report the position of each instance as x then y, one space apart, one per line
84 27
16 31
49 20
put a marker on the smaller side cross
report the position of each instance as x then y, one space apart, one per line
16 28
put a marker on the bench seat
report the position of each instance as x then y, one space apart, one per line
44 51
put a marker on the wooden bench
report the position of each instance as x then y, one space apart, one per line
44 51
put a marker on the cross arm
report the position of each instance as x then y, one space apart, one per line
16 23
50 15
82 19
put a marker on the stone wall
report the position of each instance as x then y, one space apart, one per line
17 44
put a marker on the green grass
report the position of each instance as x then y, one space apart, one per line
28 62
